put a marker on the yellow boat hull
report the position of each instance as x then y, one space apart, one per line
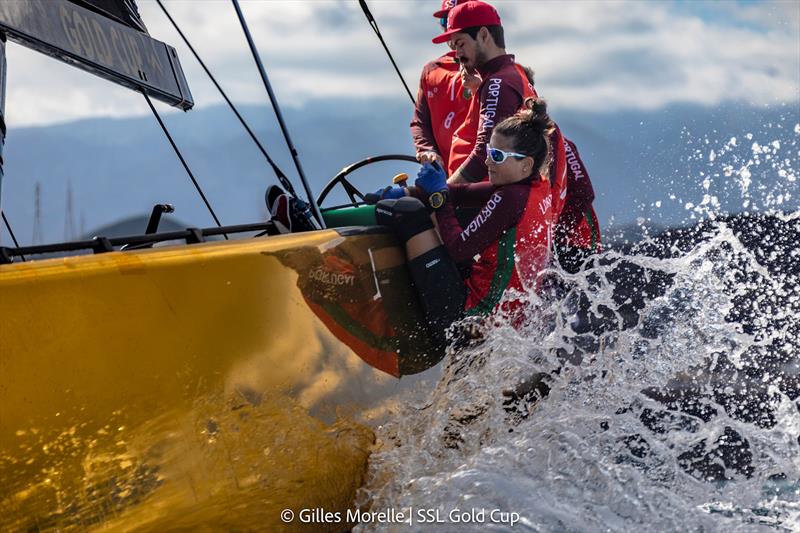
198 386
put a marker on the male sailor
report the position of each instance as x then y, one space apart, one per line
475 32
442 100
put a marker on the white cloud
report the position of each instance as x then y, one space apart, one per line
614 55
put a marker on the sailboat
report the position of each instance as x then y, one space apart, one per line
146 384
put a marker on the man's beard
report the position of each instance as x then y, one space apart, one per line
481 57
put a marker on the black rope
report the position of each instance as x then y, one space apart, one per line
183 161
278 172
11 232
374 26
314 208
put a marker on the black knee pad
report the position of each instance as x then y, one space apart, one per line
407 216
384 212
441 290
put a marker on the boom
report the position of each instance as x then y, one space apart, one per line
98 44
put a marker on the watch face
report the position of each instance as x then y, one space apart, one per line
436 199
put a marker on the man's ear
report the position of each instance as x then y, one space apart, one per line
484 35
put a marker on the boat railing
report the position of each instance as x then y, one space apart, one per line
102 244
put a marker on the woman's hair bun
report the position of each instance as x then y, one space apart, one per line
537 106
535 115
530 131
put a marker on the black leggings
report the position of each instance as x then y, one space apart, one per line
435 275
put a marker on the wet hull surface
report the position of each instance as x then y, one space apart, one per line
199 385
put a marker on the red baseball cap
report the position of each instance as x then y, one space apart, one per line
467 15
447 5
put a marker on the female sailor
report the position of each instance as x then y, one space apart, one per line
491 263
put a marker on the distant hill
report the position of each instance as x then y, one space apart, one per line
643 164
134 225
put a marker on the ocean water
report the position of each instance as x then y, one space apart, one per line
673 369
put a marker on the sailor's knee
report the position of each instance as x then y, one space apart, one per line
407 216
384 211
410 206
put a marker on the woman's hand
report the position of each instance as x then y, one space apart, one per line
431 178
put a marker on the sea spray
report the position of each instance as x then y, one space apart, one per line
673 373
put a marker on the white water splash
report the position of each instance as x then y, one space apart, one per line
681 416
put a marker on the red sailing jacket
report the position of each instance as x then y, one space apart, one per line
512 234
558 171
493 103
515 259
442 104
577 226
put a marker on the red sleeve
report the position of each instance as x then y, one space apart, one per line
461 194
502 211
471 194
500 98
580 193
421 127
579 186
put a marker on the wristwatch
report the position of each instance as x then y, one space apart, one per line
437 199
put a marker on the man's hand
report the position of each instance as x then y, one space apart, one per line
470 80
429 157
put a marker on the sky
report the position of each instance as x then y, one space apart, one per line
589 55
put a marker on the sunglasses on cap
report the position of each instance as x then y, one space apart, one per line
443 22
499 156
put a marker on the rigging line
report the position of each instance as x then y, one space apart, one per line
183 161
278 114
278 172
11 232
374 25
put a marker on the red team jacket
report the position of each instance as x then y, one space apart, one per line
505 87
577 226
442 104
511 237
511 251
509 241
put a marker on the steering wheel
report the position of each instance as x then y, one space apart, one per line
356 196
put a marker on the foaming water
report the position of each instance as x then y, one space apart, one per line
673 370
